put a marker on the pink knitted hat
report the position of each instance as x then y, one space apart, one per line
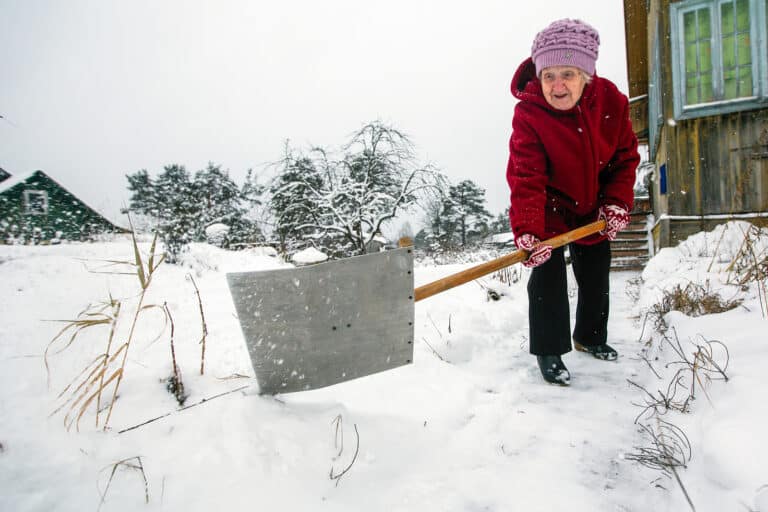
566 42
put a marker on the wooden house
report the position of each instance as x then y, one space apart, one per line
36 209
698 85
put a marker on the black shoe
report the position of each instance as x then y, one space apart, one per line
604 352
553 370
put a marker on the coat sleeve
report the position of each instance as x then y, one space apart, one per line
526 176
618 178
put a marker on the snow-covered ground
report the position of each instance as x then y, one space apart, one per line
469 426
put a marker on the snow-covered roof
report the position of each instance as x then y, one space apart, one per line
217 228
309 255
18 179
15 180
500 238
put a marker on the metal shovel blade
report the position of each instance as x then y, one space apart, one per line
319 325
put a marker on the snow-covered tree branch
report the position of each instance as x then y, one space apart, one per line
340 205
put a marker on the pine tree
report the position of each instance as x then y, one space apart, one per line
176 209
217 197
142 191
251 191
294 202
181 208
500 224
464 214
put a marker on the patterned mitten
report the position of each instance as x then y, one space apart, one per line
616 218
538 253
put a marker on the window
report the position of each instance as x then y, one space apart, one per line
698 56
737 49
718 56
35 202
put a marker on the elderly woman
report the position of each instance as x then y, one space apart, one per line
572 160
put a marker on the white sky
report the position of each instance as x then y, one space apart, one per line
94 90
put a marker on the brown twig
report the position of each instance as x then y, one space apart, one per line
338 436
125 462
205 326
433 350
338 476
175 384
201 402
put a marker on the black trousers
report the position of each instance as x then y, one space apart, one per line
548 311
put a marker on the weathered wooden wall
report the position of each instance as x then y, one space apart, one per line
636 30
718 164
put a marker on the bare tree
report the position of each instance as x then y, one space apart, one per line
346 201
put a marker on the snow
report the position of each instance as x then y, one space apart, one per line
308 256
216 233
217 229
469 426
500 238
14 180
723 216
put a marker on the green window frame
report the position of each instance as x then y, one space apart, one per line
718 56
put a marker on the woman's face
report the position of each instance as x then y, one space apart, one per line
562 86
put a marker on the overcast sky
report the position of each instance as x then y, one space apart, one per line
93 90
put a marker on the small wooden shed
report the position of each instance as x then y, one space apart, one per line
698 82
36 209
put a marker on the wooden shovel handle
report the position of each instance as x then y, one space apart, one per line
446 283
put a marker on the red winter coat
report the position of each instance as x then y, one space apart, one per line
564 164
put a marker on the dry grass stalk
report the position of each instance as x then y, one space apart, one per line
508 275
108 368
668 449
338 435
93 379
94 315
145 278
708 362
692 300
339 443
660 402
174 384
437 354
138 465
751 265
201 402
205 326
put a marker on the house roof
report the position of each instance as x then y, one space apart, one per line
15 180
500 238
22 178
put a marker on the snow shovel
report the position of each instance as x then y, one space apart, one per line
315 326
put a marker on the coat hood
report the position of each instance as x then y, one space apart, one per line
527 87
